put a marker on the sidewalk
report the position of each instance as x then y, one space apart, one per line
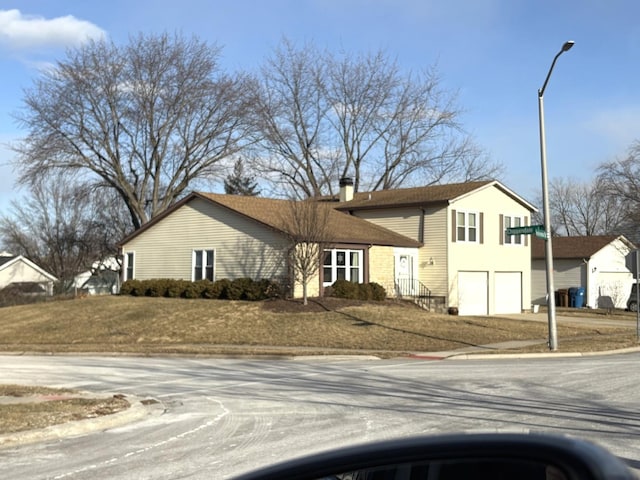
484 351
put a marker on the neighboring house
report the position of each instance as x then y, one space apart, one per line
103 278
599 264
24 276
449 239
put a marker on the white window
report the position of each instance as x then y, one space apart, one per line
342 264
467 227
510 222
203 265
129 263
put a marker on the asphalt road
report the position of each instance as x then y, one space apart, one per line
222 417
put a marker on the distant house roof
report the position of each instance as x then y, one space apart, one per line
422 196
272 213
6 261
575 247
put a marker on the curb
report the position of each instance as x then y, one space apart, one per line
489 356
137 411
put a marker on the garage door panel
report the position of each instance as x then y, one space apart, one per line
508 292
473 291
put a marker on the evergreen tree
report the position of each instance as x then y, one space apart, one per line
238 183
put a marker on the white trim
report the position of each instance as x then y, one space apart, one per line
506 237
204 263
347 266
126 265
408 271
466 227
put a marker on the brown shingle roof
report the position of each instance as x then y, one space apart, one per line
411 196
270 212
344 228
572 247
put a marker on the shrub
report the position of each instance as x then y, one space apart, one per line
193 290
356 291
378 292
254 290
221 288
210 290
156 287
271 289
175 288
237 289
345 289
133 287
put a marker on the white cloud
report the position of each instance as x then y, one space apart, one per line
26 32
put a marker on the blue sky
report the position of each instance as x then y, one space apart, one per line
494 53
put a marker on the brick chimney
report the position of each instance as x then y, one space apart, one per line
346 189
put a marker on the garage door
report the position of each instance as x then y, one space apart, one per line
508 292
473 293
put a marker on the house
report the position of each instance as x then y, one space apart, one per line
465 257
446 240
213 236
600 264
102 278
24 276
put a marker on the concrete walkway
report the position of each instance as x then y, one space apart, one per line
489 350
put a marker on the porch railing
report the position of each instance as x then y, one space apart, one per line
414 290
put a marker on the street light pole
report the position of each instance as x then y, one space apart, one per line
551 301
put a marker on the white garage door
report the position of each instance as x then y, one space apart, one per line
508 292
473 293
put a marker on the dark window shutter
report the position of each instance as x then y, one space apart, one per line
501 233
481 227
454 226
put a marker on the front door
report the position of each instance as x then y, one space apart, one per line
405 263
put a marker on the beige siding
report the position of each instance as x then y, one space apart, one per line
538 282
490 255
244 248
433 256
405 221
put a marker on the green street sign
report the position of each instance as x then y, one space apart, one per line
541 234
537 230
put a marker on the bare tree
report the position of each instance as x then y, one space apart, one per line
65 226
144 119
323 117
583 208
621 180
307 224
291 113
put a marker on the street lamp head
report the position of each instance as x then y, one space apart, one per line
567 45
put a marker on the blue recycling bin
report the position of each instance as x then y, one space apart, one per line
576 297
580 297
572 296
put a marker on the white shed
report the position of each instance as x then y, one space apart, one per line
19 271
